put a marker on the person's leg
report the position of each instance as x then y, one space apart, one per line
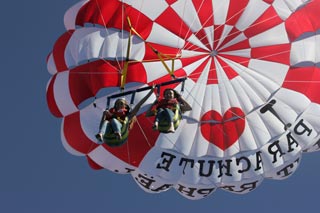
170 116
102 130
116 126
159 116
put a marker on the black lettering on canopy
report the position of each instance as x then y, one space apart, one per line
269 107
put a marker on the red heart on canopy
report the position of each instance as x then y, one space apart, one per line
223 131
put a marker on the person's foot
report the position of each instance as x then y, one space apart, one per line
171 129
118 135
99 137
155 126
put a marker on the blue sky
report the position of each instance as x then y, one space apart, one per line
38 175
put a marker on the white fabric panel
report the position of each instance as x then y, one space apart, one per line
195 40
161 35
251 13
71 14
211 99
226 32
237 39
273 126
188 14
155 69
290 97
285 8
242 53
273 36
273 71
245 186
62 94
226 87
305 50
191 53
152 9
304 133
93 43
192 67
66 144
220 11
262 86
157 155
102 157
277 173
248 96
150 183
210 35
256 125
90 118
51 65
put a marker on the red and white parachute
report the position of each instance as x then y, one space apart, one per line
253 79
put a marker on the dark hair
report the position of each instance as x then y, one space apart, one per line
122 100
169 89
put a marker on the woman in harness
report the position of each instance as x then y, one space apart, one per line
117 121
168 111
114 119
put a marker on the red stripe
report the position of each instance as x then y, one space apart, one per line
113 13
198 71
100 12
218 30
178 74
202 36
136 73
164 50
235 10
75 136
231 73
237 59
305 80
267 20
141 139
237 46
304 20
212 77
86 80
93 164
59 50
189 60
268 1
205 13
177 27
190 46
276 53
233 34
53 107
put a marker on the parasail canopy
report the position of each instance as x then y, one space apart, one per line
252 79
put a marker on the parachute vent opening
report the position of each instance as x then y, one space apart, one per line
213 53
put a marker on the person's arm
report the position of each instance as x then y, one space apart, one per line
184 106
134 111
150 111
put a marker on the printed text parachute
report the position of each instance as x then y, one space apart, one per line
253 79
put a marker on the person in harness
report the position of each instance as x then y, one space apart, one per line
117 121
167 111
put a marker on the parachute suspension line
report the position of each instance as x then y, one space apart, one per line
128 152
160 55
106 30
126 63
143 133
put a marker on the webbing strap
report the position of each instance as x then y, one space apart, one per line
160 56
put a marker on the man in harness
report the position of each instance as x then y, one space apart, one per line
168 110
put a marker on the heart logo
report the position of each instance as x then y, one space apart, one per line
223 131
